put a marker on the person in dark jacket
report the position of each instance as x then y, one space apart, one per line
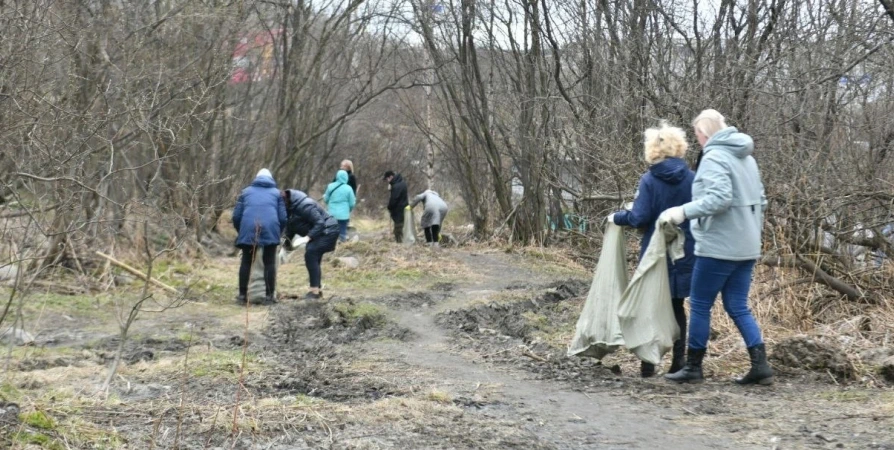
348 167
259 217
667 183
308 219
397 202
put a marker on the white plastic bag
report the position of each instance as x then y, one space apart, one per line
598 331
645 312
409 235
297 242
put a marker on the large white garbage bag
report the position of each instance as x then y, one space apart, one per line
598 330
645 311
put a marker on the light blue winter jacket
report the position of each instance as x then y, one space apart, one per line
726 211
339 197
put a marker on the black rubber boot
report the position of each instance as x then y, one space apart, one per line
692 371
646 370
679 356
761 372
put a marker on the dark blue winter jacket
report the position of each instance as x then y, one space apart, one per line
260 213
666 184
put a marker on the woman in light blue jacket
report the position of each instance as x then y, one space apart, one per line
340 200
726 218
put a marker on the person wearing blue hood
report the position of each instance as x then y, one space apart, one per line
667 183
726 213
259 217
340 199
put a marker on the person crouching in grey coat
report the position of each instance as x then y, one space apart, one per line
434 211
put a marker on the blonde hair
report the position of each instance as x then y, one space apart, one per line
347 163
664 142
709 122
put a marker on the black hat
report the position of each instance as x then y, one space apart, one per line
389 173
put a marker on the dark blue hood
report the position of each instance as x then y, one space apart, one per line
264 181
671 170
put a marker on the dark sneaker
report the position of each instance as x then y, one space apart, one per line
241 300
314 295
270 300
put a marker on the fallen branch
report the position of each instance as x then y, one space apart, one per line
532 355
819 275
138 274
600 197
27 212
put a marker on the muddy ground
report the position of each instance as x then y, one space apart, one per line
453 349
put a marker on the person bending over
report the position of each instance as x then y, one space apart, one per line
308 219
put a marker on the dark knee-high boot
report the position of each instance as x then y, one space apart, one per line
692 371
679 356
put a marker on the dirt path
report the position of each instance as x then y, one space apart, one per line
411 350
554 413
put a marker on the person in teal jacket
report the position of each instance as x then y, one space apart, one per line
340 200
726 217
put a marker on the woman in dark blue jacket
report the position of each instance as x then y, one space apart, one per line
259 218
308 219
668 183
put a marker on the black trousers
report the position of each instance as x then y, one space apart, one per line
680 315
248 257
398 229
433 233
313 256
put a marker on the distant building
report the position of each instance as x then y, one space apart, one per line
254 57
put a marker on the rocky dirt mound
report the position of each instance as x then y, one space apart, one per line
308 339
513 333
507 319
103 351
404 300
813 353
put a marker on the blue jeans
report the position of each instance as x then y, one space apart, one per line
343 230
731 279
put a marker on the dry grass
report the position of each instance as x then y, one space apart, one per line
439 396
552 260
403 409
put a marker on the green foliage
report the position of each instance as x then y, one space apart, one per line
38 419
42 440
9 392
220 364
372 315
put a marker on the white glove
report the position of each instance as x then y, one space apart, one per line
611 218
673 215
